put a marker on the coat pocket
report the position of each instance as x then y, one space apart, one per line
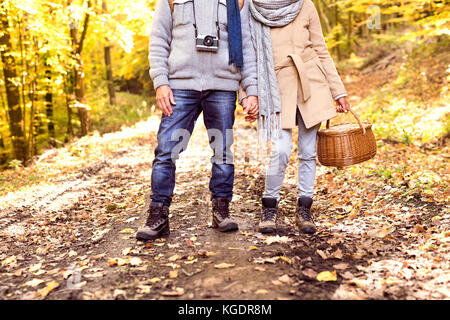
182 12
319 65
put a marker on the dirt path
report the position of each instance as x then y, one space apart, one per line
71 236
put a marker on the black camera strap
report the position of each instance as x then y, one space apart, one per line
217 20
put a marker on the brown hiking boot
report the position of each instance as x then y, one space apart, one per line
221 215
303 215
157 224
268 219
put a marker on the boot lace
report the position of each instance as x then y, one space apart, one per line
155 218
305 213
269 214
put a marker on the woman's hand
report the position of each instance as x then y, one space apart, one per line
251 108
342 105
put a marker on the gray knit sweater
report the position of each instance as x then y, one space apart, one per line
175 61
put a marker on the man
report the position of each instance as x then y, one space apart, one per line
200 50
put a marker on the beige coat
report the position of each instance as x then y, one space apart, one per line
307 76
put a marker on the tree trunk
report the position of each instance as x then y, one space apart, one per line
109 74
80 91
49 106
16 121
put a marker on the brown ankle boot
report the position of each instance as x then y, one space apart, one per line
303 215
157 224
269 213
221 215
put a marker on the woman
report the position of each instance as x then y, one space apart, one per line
297 83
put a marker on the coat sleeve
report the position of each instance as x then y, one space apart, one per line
159 44
248 71
319 45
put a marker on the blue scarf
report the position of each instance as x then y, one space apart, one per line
234 34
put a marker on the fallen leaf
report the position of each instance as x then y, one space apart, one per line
277 239
122 262
327 276
175 293
173 274
261 291
34 282
310 273
337 254
286 259
135 261
341 266
127 230
35 267
224 266
266 260
380 233
143 289
45 291
155 280
131 219
9 261
322 254
126 251
174 258
285 279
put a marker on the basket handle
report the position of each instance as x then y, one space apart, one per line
357 119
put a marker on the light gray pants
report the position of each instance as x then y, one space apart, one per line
279 159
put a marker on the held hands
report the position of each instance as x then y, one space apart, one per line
165 99
251 108
342 105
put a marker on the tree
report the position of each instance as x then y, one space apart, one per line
80 90
16 120
109 74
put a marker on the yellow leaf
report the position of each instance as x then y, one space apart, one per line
252 248
9 261
127 230
286 259
112 261
173 274
155 280
327 276
45 291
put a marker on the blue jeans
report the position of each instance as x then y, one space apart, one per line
173 136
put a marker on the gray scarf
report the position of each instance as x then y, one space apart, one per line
267 14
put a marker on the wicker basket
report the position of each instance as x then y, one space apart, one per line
346 144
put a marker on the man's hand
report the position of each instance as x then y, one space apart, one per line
165 99
342 105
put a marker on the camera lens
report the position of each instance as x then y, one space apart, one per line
208 41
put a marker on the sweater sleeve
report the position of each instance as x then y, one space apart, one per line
159 44
248 71
319 45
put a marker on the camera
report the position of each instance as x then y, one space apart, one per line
207 43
